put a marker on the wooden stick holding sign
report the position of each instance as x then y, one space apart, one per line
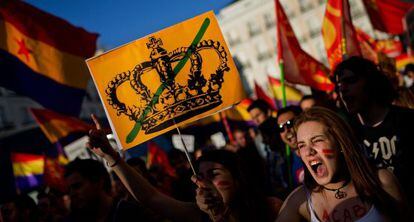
185 149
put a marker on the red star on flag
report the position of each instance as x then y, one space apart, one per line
23 50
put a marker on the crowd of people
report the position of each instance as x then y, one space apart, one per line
344 157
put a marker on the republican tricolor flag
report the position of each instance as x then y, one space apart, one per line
293 96
28 170
42 56
58 127
60 130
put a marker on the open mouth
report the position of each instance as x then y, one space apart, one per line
315 164
318 168
290 137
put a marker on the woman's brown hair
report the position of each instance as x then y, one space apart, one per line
351 159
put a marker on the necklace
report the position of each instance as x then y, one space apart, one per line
338 193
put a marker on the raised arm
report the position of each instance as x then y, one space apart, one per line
136 184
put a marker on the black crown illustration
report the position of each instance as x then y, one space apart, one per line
172 102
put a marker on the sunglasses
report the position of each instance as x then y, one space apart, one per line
288 124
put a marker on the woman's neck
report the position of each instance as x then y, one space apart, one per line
336 185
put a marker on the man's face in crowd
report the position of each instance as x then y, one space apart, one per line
83 193
351 91
258 116
240 138
307 104
285 123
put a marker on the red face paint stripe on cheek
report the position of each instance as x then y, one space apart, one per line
223 184
328 152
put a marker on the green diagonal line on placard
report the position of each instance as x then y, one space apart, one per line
137 127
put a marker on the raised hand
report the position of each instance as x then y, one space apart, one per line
209 199
99 143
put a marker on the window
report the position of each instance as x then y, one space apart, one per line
305 5
242 59
290 12
269 20
314 27
356 13
263 51
253 28
233 38
320 48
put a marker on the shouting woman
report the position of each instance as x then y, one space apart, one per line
340 184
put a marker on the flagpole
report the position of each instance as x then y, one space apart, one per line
185 148
226 126
282 80
343 34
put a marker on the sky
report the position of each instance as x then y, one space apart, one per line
121 21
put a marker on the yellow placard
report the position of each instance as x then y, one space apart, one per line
166 79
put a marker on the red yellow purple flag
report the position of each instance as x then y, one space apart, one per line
43 56
339 33
403 60
28 170
387 15
239 112
300 67
293 96
57 126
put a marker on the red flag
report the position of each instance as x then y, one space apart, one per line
387 15
260 94
157 156
339 33
368 45
390 47
54 173
300 68
293 95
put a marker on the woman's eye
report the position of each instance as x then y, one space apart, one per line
318 140
214 174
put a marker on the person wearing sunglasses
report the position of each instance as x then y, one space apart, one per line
272 145
285 120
